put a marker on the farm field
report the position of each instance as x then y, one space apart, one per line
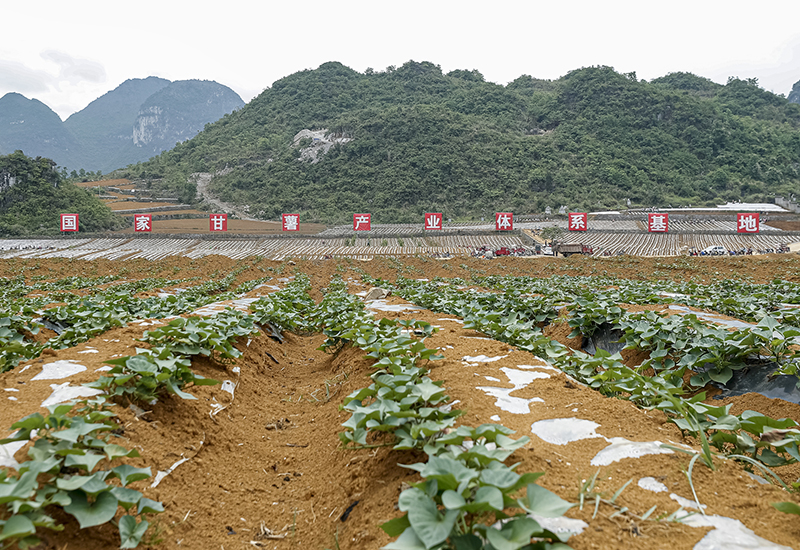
256 461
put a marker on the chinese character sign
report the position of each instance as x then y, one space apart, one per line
433 220
747 223
362 222
503 221
291 222
658 223
142 222
577 221
69 222
218 222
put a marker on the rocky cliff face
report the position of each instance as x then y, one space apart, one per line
179 112
794 95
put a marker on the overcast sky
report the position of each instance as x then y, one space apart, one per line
68 53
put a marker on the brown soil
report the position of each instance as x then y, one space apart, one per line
271 458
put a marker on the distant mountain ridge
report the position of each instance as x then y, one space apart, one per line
135 121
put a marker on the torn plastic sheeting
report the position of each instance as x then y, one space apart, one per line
606 338
652 484
381 305
160 475
621 448
8 450
519 379
728 534
59 370
229 387
685 502
482 358
562 431
714 318
761 379
562 526
64 392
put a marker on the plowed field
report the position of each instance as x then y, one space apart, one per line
266 470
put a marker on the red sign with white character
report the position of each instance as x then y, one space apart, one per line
658 223
578 221
290 222
142 222
218 222
362 222
433 220
747 223
503 221
69 222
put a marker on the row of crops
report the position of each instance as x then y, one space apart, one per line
468 496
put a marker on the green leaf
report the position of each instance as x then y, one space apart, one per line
486 499
515 534
20 489
786 507
129 474
503 477
453 500
86 461
430 526
721 376
539 500
17 526
467 542
126 497
147 506
118 451
407 541
396 526
94 513
130 532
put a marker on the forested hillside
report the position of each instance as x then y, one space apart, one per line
421 140
33 194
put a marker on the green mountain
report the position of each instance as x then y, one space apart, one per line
412 139
30 125
105 126
33 195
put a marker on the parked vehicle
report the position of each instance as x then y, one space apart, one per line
714 250
567 249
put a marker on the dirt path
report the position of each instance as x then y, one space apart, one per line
203 179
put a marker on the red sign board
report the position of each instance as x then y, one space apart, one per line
578 221
433 220
503 221
658 223
747 223
290 222
69 222
362 222
142 222
218 222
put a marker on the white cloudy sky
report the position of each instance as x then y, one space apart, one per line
68 53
